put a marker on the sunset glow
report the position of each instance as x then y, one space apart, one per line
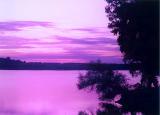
79 57
56 31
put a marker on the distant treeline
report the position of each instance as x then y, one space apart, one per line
11 64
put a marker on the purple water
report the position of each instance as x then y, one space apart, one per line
44 93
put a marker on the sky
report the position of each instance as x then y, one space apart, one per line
56 31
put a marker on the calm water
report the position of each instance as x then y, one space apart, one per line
44 93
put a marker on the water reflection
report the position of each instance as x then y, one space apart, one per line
43 93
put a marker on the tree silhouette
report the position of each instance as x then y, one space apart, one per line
116 96
82 113
108 85
86 113
104 81
136 23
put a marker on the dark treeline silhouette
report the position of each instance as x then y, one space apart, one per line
136 25
11 64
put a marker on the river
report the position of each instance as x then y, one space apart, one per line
27 92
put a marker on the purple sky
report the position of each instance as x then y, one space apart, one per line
56 31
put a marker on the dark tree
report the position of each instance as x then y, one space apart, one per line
82 113
108 85
136 23
116 96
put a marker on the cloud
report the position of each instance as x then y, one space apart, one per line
86 40
66 58
65 49
13 47
18 25
15 41
90 30
98 31
73 55
60 41
42 41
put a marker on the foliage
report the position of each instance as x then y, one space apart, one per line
82 113
115 95
136 23
107 83
109 109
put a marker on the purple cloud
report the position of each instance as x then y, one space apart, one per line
84 48
16 41
89 41
90 30
14 47
73 55
88 52
17 25
94 30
